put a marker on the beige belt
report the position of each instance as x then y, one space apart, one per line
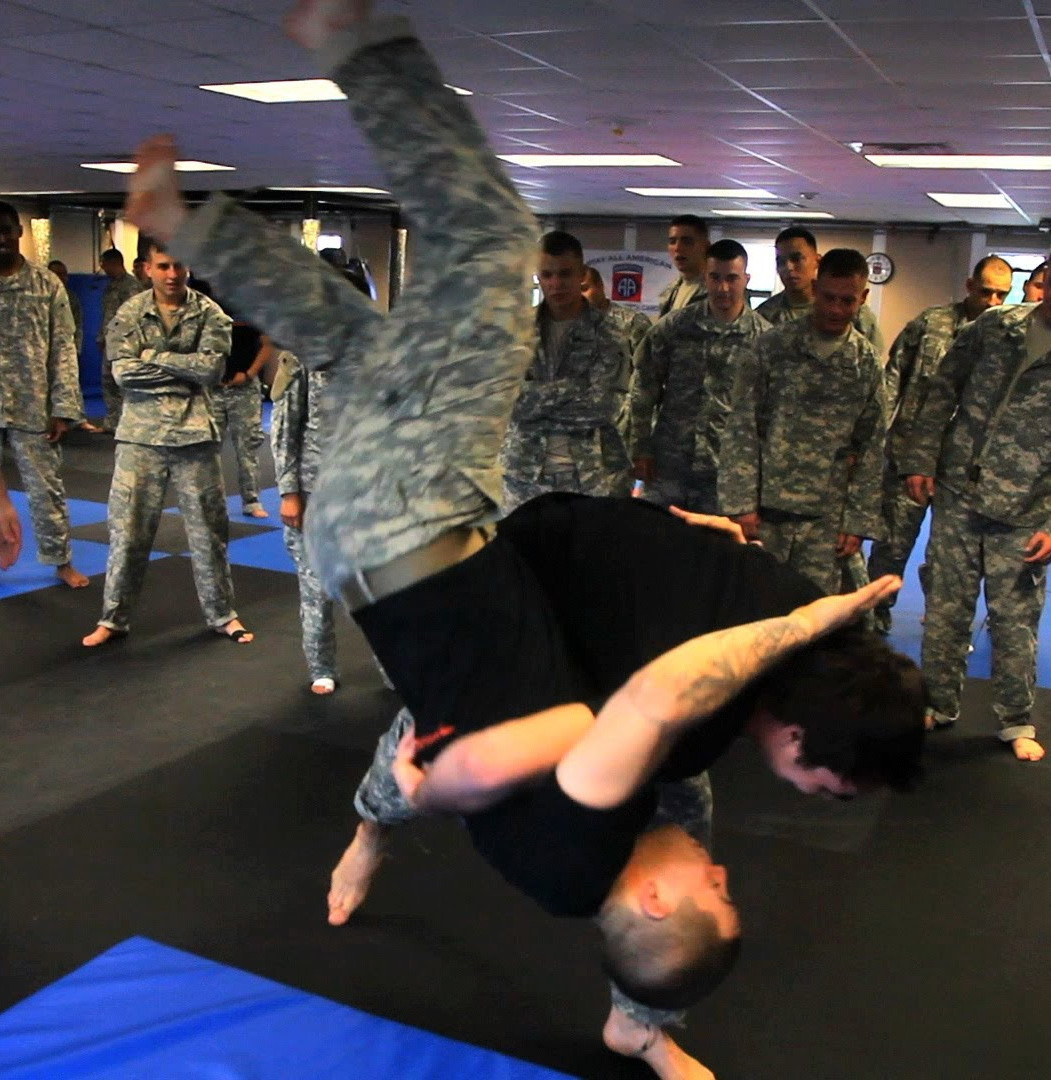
447 550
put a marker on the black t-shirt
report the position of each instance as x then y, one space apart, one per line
572 596
244 349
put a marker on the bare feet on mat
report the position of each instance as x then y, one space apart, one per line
311 23
649 1043
255 511
1027 749
354 872
69 575
323 686
236 632
101 635
154 201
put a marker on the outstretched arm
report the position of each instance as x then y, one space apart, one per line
640 723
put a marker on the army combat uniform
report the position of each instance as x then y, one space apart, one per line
633 326
914 357
777 310
680 399
563 434
982 433
804 446
167 432
39 381
117 291
295 436
667 301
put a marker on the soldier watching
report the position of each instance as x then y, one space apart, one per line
688 247
121 286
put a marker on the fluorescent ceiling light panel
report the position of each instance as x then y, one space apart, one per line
974 201
776 215
622 161
337 190
1024 162
180 166
288 91
64 191
701 193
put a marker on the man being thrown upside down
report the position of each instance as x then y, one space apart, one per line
549 684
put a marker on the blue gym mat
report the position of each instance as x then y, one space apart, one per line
143 1011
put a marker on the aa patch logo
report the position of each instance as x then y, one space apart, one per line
627 283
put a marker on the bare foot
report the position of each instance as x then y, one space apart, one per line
256 512
90 428
154 201
100 635
236 632
1027 749
933 721
312 22
72 577
651 1044
323 686
355 870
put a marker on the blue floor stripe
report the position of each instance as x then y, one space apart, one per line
143 1011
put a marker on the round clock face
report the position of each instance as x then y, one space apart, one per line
881 268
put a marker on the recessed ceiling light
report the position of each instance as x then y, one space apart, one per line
775 214
64 191
973 201
701 193
1025 162
287 91
542 161
337 190
180 166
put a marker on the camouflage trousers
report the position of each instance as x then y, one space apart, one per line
806 544
903 519
697 493
240 409
518 490
136 500
686 803
38 464
966 549
112 396
315 612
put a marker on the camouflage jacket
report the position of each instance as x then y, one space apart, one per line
165 375
633 326
39 377
296 429
117 291
667 296
77 311
806 434
982 427
914 357
577 392
680 394
777 310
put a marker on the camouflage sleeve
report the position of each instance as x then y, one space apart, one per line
205 366
647 390
902 363
125 344
638 328
62 366
273 280
862 509
286 433
939 403
741 466
579 403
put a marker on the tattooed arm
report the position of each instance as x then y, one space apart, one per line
637 727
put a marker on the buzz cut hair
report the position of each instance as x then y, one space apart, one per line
990 260
727 250
9 212
796 232
112 255
843 263
691 221
558 242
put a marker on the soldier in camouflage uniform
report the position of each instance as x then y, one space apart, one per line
687 246
684 375
237 403
61 271
563 434
39 390
168 348
979 444
632 326
295 436
802 453
120 287
914 358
